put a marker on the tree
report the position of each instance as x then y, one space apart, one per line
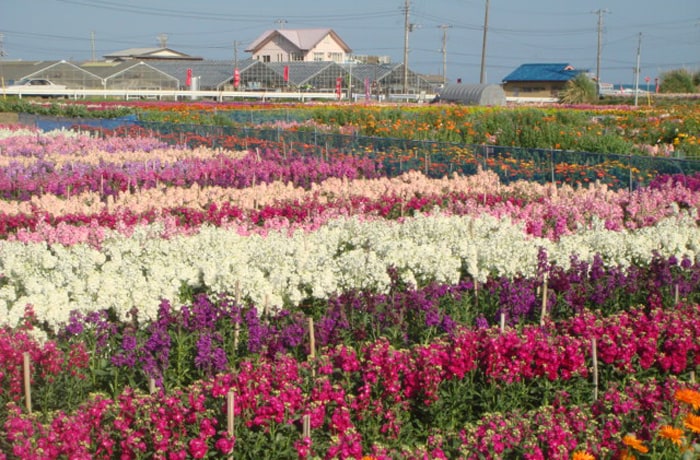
580 89
677 81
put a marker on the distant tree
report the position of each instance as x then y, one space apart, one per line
579 90
677 81
696 79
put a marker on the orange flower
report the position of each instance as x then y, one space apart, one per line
582 455
625 454
688 396
692 422
631 440
671 433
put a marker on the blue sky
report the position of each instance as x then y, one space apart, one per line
518 32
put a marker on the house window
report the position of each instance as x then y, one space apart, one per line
266 58
297 57
335 57
318 57
280 57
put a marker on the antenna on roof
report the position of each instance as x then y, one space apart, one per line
163 40
280 23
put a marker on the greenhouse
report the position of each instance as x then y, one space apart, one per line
490 95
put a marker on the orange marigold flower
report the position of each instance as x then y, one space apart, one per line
671 433
632 441
688 396
692 422
625 454
582 455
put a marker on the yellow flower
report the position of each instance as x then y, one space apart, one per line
692 422
671 433
688 396
582 455
631 440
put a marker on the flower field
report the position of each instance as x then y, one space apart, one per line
170 301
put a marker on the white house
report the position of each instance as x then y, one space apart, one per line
309 45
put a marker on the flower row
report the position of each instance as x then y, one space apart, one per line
280 269
546 211
370 400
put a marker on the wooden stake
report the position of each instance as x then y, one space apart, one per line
312 339
312 345
544 300
306 431
676 296
594 354
503 321
230 412
26 366
151 385
237 327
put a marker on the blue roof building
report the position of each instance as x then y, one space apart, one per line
539 80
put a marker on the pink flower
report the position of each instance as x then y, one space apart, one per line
223 445
198 448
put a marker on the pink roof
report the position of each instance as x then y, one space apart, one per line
303 39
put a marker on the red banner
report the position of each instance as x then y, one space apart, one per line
338 86
188 79
236 78
286 73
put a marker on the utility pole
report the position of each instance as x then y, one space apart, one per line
482 77
406 28
600 14
235 53
92 43
163 40
636 70
444 28
2 54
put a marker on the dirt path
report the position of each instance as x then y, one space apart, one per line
8 118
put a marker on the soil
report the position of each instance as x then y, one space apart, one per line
7 118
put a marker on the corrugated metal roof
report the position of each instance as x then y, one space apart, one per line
542 72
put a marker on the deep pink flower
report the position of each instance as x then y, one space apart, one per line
198 447
225 445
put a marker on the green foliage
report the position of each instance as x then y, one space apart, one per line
579 90
677 81
68 110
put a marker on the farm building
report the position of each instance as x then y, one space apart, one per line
538 80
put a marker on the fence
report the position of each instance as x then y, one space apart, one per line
435 159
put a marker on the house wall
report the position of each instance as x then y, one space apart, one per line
278 50
281 50
533 88
329 49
